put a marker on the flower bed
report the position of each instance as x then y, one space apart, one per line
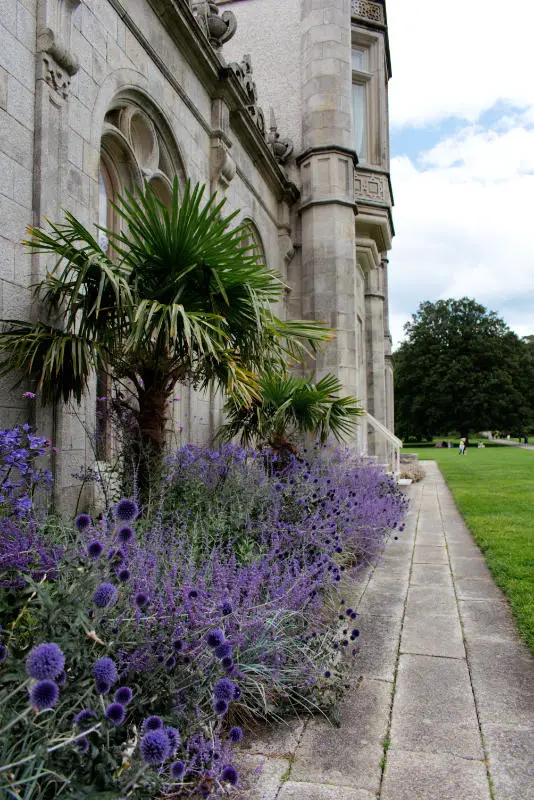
134 656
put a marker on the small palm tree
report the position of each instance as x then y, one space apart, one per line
177 298
289 407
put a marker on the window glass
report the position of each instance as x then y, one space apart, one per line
359 116
359 59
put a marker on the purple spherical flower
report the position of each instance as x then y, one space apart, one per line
125 534
178 645
220 706
123 695
152 723
126 510
154 747
82 744
235 734
173 735
45 661
227 662
223 650
224 689
83 718
105 670
44 694
226 608
237 692
106 595
215 637
82 522
177 769
124 575
102 687
229 775
3 653
141 599
61 678
115 713
94 550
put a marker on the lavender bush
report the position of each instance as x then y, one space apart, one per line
178 628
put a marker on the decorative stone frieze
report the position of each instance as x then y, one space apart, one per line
371 186
219 28
368 10
243 72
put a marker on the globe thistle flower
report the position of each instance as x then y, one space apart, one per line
44 694
125 534
61 678
123 695
102 687
3 652
154 747
177 769
82 522
46 661
173 735
141 599
223 650
227 662
106 595
355 633
235 734
83 718
220 706
124 575
237 692
94 550
152 723
105 670
224 689
193 594
215 637
226 608
229 775
126 510
177 645
170 663
82 744
115 713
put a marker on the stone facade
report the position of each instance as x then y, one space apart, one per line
96 95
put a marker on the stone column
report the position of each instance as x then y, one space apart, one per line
376 378
327 179
390 414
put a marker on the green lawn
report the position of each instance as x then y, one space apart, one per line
494 490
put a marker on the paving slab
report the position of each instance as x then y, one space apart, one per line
378 643
434 709
280 739
477 589
423 601
425 776
260 777
429 554
488 620
432 635
312 791
511 758
431 574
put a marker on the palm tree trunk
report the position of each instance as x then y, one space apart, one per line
152 418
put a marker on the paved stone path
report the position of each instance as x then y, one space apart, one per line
442 706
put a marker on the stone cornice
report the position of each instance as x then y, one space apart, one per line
327 148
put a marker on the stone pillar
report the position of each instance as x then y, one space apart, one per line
327 180
390 414
376 378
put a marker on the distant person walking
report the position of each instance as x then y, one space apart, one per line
461 448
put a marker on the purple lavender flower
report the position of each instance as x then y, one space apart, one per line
229 775
83 718
3 653
123 695
105 670
45 661
126 510
44 694
152 723
115 713
173 735
82 522
215 637
106 595
94 550
235 734
177 769
154 747
125 534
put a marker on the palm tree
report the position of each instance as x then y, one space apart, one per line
180 299
289 407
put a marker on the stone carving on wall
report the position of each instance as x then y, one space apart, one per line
219 28
281 148
367 9
243 72
371 186
53 36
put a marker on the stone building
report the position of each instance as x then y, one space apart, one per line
279 105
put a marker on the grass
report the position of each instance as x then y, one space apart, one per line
494 491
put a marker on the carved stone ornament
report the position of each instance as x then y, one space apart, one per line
54 19
55 76
282 148
218 28
243 72
368 10
373 187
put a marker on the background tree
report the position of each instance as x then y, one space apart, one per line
178 298
461 369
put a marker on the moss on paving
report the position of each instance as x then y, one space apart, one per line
494 491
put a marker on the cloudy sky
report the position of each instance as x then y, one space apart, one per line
462 145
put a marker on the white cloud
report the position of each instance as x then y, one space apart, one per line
463 216
458 58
